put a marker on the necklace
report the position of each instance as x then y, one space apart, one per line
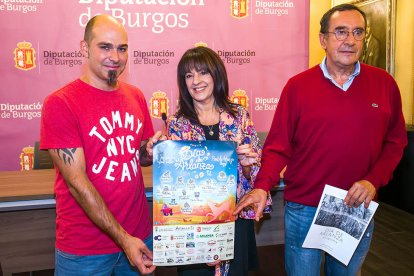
210 128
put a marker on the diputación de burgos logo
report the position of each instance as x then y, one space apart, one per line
27 158
239 96
24 56
239 8
20 110
159 105
23 6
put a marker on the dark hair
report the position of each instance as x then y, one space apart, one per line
203 59
343 7
89 29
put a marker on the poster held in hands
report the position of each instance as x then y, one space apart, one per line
194 190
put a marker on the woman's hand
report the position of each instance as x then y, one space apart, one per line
247 157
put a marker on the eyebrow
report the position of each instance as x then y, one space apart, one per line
341 28
110 44
346 28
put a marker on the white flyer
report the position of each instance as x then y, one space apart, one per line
336 228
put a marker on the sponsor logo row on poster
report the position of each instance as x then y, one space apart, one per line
198 243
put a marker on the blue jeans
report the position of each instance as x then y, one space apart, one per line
105 264
307 261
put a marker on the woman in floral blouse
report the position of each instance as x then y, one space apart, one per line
206 113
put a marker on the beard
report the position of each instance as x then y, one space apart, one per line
112 78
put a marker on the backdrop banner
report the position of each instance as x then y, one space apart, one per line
262 43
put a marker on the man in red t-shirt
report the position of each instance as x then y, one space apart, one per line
98 131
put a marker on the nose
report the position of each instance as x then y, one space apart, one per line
350 39
197 78
114 55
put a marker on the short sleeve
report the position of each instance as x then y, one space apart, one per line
59 126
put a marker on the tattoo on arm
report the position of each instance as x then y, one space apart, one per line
66 155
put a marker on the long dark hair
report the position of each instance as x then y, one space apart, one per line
202 59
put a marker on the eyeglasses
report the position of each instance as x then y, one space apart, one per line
359 34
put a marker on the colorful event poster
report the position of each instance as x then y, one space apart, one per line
194 189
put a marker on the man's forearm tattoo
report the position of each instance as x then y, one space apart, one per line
66 155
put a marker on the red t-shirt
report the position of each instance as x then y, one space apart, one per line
109 126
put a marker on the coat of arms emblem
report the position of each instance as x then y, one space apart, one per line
159 104
239 8
239 97
24 56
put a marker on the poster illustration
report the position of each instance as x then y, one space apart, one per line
194 189
336 228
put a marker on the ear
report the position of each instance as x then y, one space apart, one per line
84 48
322 40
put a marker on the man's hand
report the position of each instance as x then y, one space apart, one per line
217 262
361 192
158 136
139 255
146 151
256 197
